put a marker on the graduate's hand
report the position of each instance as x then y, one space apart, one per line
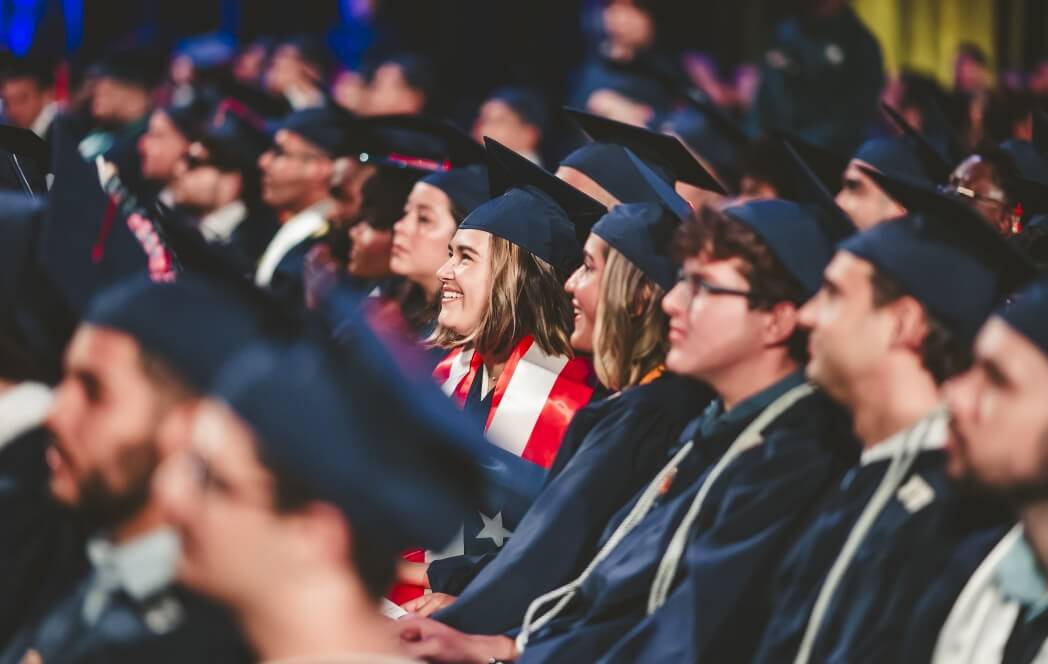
427 605
435 642
413 574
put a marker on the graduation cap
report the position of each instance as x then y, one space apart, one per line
1027 314
795 233
235 138
827 165
664 153
190 118
534 209
257 101
27 160
529 105
417 141
468 188
324 127
716 138
636 81
140 67
393 456
943 254
809 189
194 324
936 165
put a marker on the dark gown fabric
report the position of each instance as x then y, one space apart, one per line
611 450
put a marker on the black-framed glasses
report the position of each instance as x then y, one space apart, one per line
278 150
696 285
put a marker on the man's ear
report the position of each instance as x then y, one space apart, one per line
911 323
780 323
325 528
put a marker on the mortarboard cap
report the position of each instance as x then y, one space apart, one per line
638 83
794 233
808 189
715 138
943 254
235 138
664 192
611 168
534 209
139 67
894 156
207 51
664 153
193 324
392 455
415 141
468 188
827 165
936 165
324 127
190 118
642 232
529 105
1027 314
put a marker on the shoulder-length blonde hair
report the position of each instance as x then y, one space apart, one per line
527 297
630 337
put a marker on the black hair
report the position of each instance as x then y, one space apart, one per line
40 73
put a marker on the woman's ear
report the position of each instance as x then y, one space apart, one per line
642 300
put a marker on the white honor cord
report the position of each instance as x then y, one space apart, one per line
901 463
750 437
567 592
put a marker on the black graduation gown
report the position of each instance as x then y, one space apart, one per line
41 548
722 596
287 283
45 571
937 601
874 603
612 448
250 239
749 512
173 627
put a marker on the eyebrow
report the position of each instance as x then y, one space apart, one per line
994 370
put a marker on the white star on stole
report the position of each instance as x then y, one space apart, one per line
493 529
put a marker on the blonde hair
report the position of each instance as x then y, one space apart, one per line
630 335
527 297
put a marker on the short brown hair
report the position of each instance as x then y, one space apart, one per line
527 297
943 354
630 335
718 235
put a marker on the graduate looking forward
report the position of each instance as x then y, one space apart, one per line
895 318
613 446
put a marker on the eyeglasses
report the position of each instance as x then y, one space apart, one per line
696 285
969 194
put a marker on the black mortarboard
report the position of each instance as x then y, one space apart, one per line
1031 164
665 193
393 456
534 209
418 141
943 254
610 167
827 164
664 153
468 188
193 324
207 51
642 232
717 140
256 100
809 189
138 67
324 127
635 83
1028 313
894 156
27 160
190 118
794 233
937 165
529 105
235 139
